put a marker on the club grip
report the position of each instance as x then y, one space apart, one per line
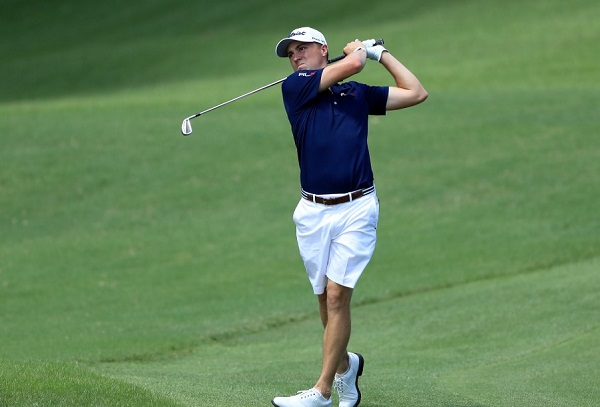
340 57
373 42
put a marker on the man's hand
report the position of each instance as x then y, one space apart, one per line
353 46
375 52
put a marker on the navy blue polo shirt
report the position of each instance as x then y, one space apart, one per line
330 131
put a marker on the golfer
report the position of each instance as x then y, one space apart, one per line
336 218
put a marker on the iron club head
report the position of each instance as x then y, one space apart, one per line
186 127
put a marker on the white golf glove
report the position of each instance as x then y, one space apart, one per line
375 52
369 43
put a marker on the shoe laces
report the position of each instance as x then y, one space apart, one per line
306 393
339 384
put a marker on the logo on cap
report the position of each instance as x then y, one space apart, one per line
292 34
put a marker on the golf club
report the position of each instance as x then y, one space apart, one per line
186 125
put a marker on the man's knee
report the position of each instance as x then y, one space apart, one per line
338 297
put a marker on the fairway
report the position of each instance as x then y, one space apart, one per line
139 267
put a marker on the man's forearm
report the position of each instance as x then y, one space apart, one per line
408 90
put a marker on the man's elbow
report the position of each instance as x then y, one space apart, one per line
416 96
421 95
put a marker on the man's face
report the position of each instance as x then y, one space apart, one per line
307 55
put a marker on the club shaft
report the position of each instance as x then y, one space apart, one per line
237 98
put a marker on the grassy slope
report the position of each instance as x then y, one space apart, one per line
486 343
124 242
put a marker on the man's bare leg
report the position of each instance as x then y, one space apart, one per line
345 362
334 307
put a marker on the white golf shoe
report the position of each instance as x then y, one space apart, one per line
347 384
306 398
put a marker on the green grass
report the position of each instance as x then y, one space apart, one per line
141 268
68 384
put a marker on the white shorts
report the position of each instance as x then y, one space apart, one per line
336 242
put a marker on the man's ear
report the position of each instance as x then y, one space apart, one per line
324 50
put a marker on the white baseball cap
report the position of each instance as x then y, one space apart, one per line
302 34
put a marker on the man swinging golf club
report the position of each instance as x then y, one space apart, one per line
336 218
